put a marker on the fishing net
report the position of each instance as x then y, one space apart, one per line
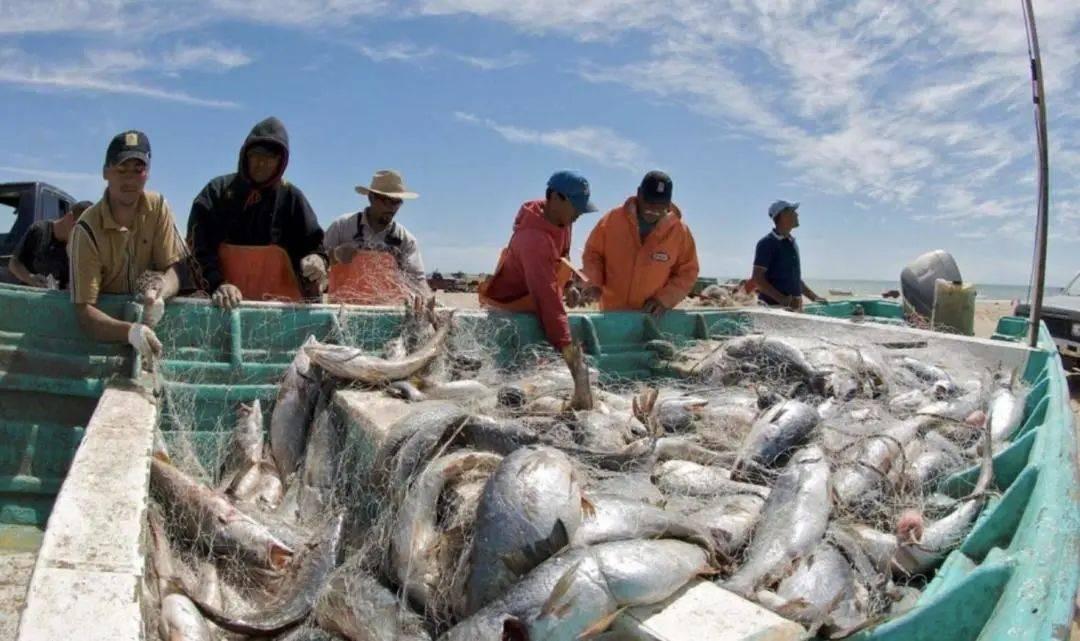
697 407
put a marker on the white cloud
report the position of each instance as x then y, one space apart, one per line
409 52
511 59
902 104
206 57
104 72
396 52
598 144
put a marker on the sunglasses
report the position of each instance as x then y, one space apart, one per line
387 199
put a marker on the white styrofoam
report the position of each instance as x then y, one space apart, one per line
703 611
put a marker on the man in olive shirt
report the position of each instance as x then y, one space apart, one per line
42 252
126 233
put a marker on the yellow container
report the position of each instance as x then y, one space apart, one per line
954 308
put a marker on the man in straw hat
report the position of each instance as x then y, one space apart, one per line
253 233
374 259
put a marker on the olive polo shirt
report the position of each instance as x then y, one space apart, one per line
107 257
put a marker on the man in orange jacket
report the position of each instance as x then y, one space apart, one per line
641 255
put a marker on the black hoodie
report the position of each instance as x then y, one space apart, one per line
227 211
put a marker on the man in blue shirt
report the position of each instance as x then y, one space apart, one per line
777 272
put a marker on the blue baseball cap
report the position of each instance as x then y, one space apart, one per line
576 189
779 206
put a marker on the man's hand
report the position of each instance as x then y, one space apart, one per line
344 253
153 309
654 308
227 296
579 371
145 342
794 303
821 301
39 280
591 293
313 267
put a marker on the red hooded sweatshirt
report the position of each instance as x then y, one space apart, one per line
529 265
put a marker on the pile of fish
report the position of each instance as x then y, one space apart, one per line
793 472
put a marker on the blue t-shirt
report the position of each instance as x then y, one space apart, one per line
780 258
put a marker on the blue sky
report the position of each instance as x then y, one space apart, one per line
900 127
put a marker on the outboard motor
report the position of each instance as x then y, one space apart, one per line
918 279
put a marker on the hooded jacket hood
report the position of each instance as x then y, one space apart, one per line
270 131
531 216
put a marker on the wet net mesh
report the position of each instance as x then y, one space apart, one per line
662 441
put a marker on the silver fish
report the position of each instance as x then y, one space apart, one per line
246 445
858 483
1005 415
355 364
670 448
416 542
927 373
601 432
591 593
783 428
207 517
321 458
730 520
940 537
293 411
294 603
530 509
561 584
683 478
618 519
930 459
633 486
792 523
180 620
774 353
355 605
501 436
423 432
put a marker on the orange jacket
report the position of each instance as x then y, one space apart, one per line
630 272
261 272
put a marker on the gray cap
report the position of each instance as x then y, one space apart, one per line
779 206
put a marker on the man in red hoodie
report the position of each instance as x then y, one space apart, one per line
533 269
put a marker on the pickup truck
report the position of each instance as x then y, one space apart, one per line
1061 314
21 205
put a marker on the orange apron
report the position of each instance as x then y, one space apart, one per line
563 273
262 272
370 278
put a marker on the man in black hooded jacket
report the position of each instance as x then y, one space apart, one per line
256 207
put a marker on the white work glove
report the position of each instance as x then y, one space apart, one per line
145 342
227 296
313 266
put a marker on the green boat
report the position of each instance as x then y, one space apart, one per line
77 421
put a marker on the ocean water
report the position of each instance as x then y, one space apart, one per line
874 288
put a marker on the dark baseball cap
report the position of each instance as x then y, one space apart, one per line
127 145
656 188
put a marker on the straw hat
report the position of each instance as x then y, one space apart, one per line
389 183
